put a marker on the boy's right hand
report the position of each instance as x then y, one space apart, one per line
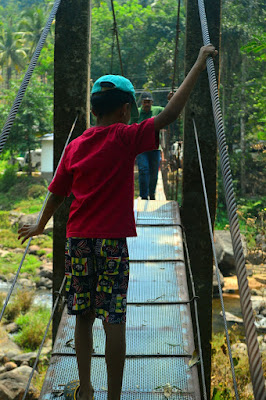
204 53
27 231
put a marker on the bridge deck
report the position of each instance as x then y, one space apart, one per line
159 330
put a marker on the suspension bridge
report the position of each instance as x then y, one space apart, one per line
161 359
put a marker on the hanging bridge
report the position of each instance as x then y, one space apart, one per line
161 360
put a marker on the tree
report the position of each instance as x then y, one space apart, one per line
12 53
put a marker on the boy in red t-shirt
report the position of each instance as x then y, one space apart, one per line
97 168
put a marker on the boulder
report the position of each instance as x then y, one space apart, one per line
45 282
29 358
10 365
12 327
33 249
215 281
256 257
20 374
239 348
224 251
47 271
232 318
27 283
31 219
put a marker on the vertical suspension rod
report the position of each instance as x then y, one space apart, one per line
255 363
117 38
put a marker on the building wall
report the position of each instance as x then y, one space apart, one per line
47 156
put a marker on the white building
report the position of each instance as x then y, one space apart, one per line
47 155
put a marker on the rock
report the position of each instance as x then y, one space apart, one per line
29 358
12 327
261 241
232 318
14 217
34 249
3 253
255 292
13 384
47 283
27 283
31 219
261 325
240 348
256 257
47 271
10 365
215 281
2 369
3 278
224 251
263 312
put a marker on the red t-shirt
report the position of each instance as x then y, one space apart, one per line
98 168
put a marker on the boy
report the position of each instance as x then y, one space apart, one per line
97 168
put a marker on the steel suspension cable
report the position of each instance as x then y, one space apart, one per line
117 38
44 337
38 219
14 109
215 260
195 298
255 362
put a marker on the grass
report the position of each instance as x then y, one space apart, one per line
20 303
222 382
10 263
32 326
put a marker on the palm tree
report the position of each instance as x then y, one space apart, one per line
12 53
32 24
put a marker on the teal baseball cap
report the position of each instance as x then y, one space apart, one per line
109 82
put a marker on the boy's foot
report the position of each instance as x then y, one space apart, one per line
152 197
89 397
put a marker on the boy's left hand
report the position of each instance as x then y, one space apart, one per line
27 231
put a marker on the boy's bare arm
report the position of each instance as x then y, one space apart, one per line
52 205
179 99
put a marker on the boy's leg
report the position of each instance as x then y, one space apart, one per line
144 175
115 353
84 346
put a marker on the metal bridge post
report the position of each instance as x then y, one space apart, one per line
71 96
193 209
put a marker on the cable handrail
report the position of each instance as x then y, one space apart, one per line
215 259
44 337
23 87
255 362
38 219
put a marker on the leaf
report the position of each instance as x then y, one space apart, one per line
194 359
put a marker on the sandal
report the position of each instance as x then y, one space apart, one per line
71 390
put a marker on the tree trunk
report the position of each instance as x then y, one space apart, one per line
71 95
193 211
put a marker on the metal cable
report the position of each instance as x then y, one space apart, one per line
38 219
195 298
215 260
117 38
255 363
44 337
14 109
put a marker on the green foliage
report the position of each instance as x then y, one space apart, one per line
32 325
19 303
36 191
10 262
8 179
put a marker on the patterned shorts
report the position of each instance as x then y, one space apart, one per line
97 272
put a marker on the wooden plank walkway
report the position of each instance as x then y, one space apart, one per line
159 330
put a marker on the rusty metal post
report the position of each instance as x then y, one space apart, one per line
193 209
71 96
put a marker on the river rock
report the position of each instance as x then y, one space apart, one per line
45 282
13 383
12 327
25 357
47 271
215 281
10 365
31 219
224 251
232 318
27 283
33 249
239 348
260 324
